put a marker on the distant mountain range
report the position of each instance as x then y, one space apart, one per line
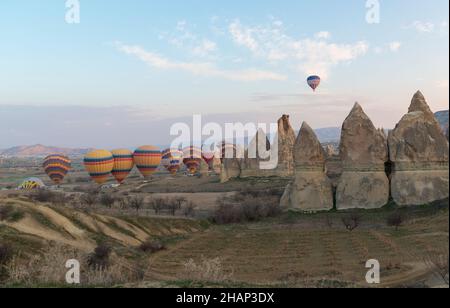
442 117
325 135
40 150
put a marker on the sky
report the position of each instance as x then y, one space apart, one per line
130 69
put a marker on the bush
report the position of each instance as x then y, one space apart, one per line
107 200
5 254
99 259
208 270
151 246
395 220
42 195
5 212
89 198
351 222
245 209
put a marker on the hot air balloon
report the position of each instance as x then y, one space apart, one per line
56 167
314 82
31 184
172 160
123 164
192 158
147 160
99 165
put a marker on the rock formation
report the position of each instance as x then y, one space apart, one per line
419 156
363 152
311 190
286 142
253 157
251 167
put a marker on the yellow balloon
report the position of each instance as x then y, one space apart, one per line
123 164
99 165
147 159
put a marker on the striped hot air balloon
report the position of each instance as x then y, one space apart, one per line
31 184
172 160
99 165
56 166
123 164
147 160
313 82
192 158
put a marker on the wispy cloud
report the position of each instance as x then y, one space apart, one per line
395 46
204 69
312 55
443 84
428 27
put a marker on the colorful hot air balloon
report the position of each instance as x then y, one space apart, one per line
172 160
123 164
313 82
99 165
31 184
147 160
56 167
192 158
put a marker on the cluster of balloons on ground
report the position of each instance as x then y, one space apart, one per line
100 164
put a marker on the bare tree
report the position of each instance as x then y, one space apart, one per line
158 204
89 198
189 209
107 200
136 203
174 205
351 222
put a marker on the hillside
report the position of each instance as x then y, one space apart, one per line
39 150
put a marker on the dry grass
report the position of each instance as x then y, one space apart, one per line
48 269
206 270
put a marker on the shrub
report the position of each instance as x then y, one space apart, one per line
42 195
99 259
151 246
351 222
207 270
395 220
107 200
245 208
5 254
5 212
89 198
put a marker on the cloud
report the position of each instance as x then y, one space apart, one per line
205 48
395 46
243 35
204 69
311 55
422 26
323 35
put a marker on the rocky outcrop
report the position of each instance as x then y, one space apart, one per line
418 151
286 142
250 166
256 153
311 189
363 152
